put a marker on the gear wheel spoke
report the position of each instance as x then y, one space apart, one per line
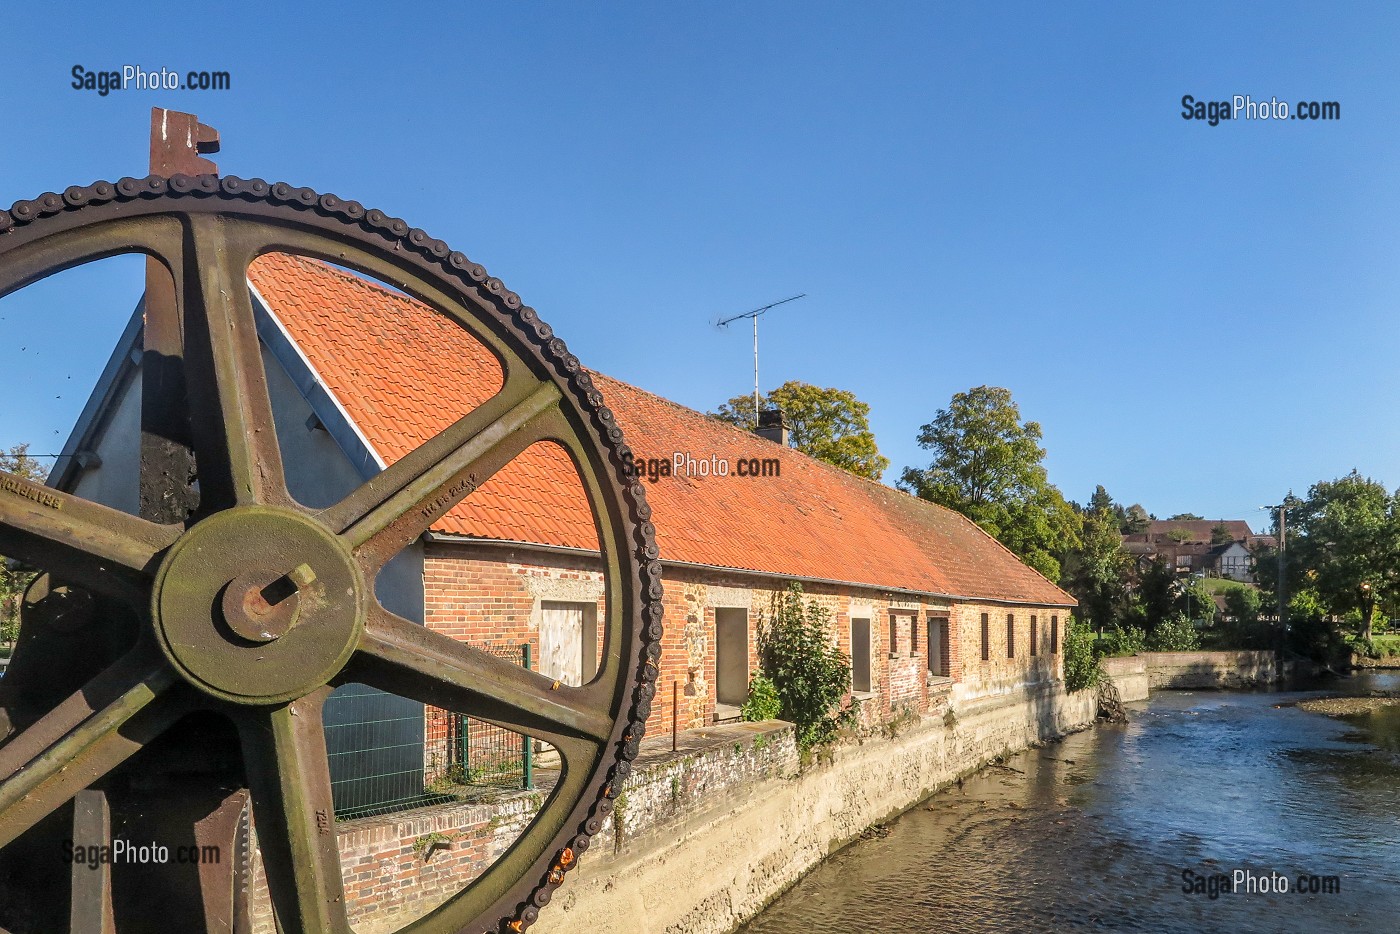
110 551
84 738
398 505
240 463
412 661
285 752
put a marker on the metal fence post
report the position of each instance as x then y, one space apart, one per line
527 759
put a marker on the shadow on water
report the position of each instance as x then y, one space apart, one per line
1094 833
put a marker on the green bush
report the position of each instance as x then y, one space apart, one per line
1366 647
810 674
1125 640
763 702
1081 663
1175 634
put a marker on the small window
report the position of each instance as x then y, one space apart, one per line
914 635
894 634
986 638
860 656
1034 636
1054 635
1010 635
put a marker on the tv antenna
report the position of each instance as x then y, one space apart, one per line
755 316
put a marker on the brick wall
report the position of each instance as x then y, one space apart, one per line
493 596
489 595
1005 672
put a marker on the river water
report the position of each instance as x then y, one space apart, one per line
1094 833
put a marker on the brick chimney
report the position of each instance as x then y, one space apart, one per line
773 426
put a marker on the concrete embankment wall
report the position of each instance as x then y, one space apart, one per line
710 866
1208 670
1129 676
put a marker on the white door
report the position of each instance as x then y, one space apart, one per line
561 642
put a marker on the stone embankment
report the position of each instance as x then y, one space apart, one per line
714 861
1214 670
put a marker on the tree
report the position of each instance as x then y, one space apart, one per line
1156 595
1244 629
829 424
15 580
1220 534
1185 517
1096 573
1346 541
987 466
1135 519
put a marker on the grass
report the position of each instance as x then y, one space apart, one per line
1387 645
1219 585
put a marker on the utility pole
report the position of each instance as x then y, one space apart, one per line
1282 580
755 315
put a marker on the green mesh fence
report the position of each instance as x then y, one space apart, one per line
390 754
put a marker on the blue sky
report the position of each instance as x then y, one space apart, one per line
1200 317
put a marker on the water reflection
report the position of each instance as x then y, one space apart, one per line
1093 833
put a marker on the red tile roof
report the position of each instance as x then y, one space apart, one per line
403 373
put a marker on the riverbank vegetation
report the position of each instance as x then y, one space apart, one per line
1341 562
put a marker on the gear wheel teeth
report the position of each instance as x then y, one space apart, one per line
438 258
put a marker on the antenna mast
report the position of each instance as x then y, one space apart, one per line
755 315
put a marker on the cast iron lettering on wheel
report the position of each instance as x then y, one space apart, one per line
257 607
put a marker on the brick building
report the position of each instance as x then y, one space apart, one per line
932 611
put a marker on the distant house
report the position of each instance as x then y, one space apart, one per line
1189 546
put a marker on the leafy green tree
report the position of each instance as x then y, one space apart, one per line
1156 595
1220 534
987 465
1179 535
810 674
1096 573
1346 539
1135 519
1196 602
1185 517
829 424
1242 627
14 581
1242 603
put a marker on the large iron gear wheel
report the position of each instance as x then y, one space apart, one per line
175 578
